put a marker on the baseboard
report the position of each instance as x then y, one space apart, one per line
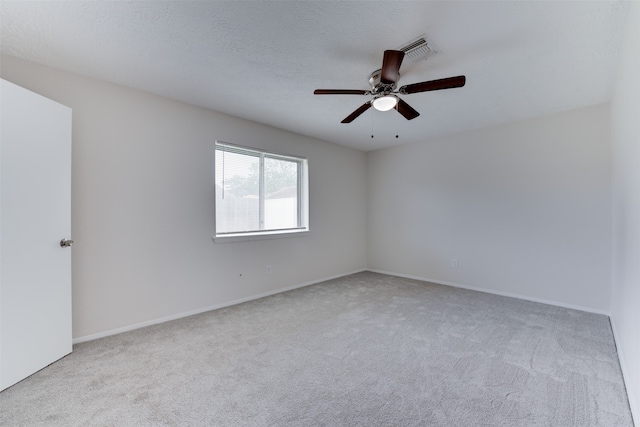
632 396
494 292
204 309
313 282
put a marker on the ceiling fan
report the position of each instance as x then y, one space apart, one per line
383 84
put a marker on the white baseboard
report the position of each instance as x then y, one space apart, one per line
203 309
634 398
491 291
313 282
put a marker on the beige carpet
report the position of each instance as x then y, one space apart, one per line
364 350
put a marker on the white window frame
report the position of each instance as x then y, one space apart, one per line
303 198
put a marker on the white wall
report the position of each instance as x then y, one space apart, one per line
625 125
142 208
523 207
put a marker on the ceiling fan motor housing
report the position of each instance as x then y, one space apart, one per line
377 87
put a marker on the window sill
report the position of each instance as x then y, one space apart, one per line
263 235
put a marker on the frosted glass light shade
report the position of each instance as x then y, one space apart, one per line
385 103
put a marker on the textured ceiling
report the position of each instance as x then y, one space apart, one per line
261 60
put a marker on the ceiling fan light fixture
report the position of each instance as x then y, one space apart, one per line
385 103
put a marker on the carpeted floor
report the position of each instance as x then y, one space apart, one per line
363 350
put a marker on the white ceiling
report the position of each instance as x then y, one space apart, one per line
261 60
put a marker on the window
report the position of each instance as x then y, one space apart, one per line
259 194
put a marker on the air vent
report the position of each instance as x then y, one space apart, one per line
417 49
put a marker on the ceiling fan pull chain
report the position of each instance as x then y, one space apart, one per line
397 119
371 115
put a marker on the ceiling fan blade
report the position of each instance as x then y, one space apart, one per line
448 83
406 110
339 92
351 117
391 66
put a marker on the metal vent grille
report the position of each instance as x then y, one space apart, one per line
417 49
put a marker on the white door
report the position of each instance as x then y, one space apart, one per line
35 215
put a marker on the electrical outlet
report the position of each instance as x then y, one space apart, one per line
268 269
454 263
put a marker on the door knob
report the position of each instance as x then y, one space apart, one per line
64 243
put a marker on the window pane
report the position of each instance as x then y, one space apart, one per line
281 193
237 192
257 192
